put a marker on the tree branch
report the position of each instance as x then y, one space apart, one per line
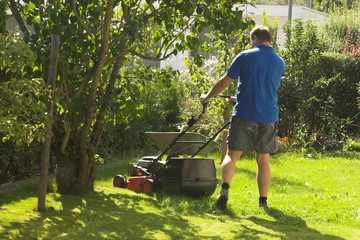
81 22
99 124
174 39
126 12
67 119
19 18
82 86
85 148
154 58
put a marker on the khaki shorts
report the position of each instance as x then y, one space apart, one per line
248 136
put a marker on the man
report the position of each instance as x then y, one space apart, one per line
254 122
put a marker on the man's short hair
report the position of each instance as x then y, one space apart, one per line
262 33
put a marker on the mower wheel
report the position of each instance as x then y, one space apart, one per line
147 186
119 181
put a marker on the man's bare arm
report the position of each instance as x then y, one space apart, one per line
219 86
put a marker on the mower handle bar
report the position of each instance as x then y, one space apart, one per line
224 96
190 123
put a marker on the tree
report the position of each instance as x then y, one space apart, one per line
97 41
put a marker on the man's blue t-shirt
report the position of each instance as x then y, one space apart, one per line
259 71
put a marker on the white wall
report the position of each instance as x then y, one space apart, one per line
177 62
281 12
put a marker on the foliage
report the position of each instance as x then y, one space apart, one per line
22 107
334 31
329 6
356 4
22 111
352 47
200 76
334 6
352 145
160 96
318 94
358 99
20 162
342 74
301 49
199 80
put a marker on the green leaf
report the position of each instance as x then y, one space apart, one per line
19 142
60 108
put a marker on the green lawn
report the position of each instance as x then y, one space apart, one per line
310 198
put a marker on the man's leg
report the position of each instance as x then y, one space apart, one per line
227 172
263 176
228 165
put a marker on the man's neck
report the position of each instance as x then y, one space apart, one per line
265 43
262 43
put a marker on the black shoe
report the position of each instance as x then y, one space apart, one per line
263 202
221 201
265 205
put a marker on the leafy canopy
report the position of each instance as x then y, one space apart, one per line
21 102
153 30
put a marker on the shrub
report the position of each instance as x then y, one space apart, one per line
198 80
353 146
21 98
328 6
302 47
338 76
318 96
22 111
160 94
20 162
334 32
352 47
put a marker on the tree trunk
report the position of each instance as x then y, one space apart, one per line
69 162
86 150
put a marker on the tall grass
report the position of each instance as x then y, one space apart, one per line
313 197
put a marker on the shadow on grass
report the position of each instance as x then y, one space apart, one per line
103 216
277 181
120 215
288 227
23 193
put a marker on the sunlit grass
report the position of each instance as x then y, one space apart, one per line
310 198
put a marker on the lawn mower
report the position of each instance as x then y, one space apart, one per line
184 175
